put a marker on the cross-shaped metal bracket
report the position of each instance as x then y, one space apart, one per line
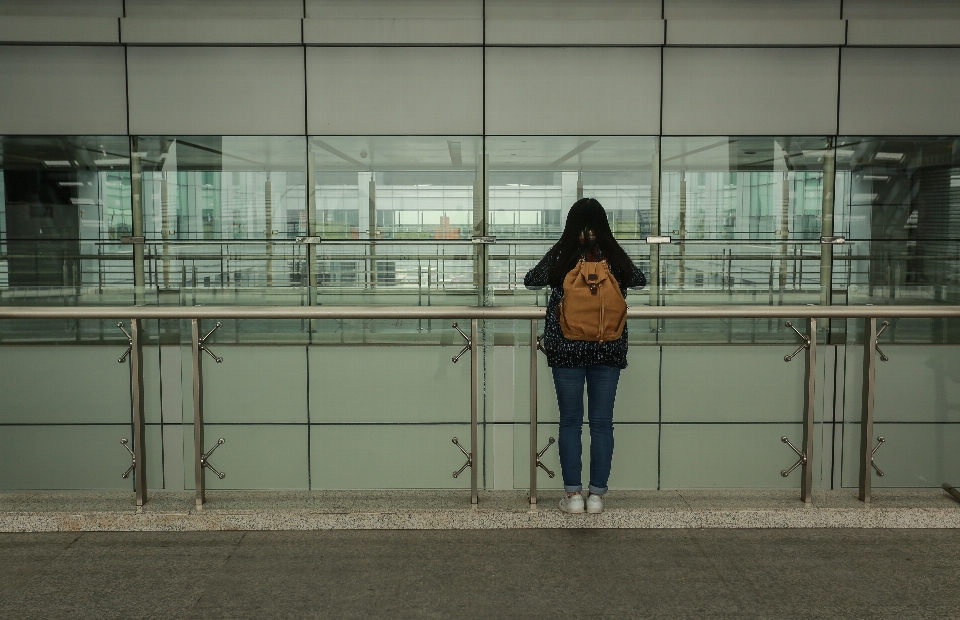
802 458
539 454
469 462
203 347
204 462
465 348
880 441
126 353
883 358
133 458
805 345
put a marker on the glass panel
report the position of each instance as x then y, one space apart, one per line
403 456
376 197
63 457
533 181
253 456
739 211
260 384
509 261
223 211
726 433
744 187
745 215
64 206
898 204
915 411
727 456
64 385
384 416
396 187
634 466
902 188
740 273
388 385
257 401
398 273
63 414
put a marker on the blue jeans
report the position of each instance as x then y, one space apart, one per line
601 393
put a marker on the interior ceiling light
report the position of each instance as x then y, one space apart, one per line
889 156
844 152
113 161
70 184
56 163
875 177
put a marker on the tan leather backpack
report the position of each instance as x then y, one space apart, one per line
592 308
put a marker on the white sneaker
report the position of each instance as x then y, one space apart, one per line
595 504
572 504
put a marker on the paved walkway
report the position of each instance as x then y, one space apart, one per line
434 510
543 574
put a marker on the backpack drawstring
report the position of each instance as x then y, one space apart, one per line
600 328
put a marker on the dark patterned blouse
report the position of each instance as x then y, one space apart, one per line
563 353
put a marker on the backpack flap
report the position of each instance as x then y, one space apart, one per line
593 307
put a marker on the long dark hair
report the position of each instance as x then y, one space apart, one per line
587 215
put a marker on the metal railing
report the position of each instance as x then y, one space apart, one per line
195 314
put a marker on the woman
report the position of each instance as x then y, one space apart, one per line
586 236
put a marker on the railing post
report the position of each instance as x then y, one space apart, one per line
866 415
197 412
139 426
809 392
533 411
474 394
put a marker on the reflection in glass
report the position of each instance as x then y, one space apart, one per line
223 211
395 187
742 187
533 181
396 215
65 205
745 215
898 202
294 220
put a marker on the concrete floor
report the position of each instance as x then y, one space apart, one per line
574 573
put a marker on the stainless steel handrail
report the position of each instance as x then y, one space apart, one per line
467 312
475 313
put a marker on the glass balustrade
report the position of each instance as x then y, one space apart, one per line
458 220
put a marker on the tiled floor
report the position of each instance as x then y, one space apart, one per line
545 573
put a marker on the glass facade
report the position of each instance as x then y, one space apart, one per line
395 219
66 205
458 220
